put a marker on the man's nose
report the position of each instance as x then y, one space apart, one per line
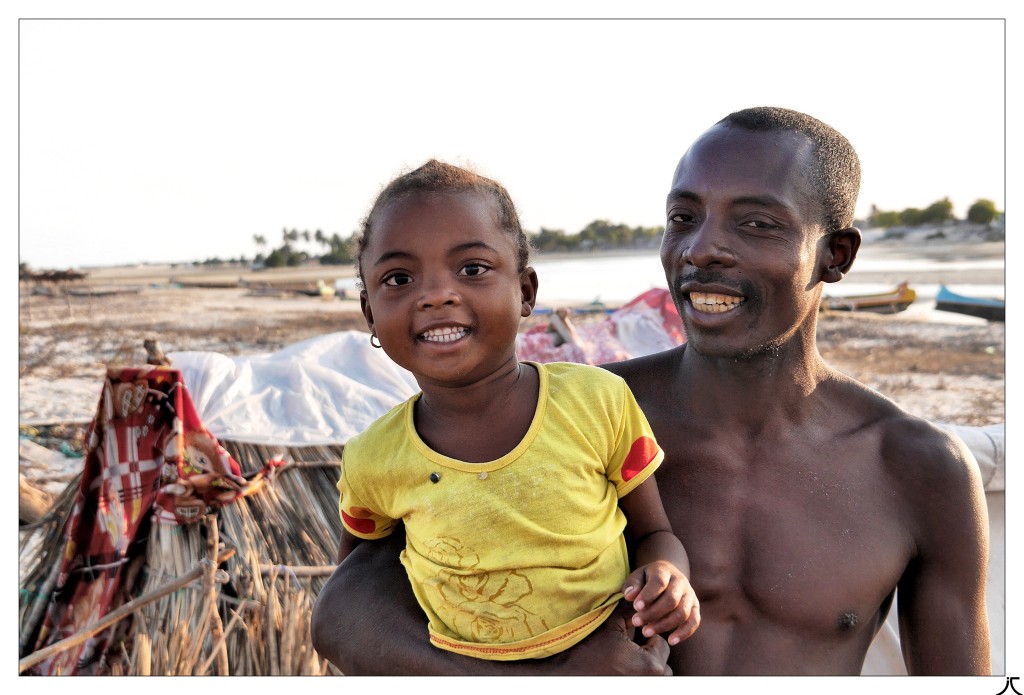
708 245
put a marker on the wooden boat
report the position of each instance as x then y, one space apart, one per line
207 284
103 290
51 275
594 307
280 288
882 303
989 308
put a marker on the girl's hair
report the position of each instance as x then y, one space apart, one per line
439 177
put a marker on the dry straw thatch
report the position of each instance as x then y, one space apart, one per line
249 612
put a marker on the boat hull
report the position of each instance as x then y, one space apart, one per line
885 303
984 308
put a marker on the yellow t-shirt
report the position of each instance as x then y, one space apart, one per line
520 557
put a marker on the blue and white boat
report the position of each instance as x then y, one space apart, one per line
989 308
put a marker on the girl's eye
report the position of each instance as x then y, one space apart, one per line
473 269
396 279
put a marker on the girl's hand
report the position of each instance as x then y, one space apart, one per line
663 600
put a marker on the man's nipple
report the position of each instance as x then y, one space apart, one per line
847 621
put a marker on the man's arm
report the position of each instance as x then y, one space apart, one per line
366 622
942 612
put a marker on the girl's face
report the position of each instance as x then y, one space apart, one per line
443 292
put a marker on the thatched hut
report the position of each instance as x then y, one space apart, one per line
229 591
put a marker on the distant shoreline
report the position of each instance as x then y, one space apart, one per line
873 246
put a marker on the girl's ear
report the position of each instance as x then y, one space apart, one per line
841 252
528 287
364 305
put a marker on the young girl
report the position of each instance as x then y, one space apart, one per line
515 480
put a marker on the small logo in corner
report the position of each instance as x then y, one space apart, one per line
1009 686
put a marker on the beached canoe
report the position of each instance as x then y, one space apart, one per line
308 288
989 308
207 284
881 303
103 291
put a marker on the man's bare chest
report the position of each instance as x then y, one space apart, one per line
807 537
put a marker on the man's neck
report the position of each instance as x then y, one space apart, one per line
773 385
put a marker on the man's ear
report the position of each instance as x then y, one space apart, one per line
840 253
528 287
364 305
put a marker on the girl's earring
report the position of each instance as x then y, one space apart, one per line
373 337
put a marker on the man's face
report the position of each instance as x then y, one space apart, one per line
742 240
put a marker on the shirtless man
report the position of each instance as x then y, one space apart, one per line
803 498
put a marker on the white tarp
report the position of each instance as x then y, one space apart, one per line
324 390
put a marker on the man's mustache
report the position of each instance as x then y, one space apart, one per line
702 276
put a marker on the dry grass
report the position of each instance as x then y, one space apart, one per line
249 617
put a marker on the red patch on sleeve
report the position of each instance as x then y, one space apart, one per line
639 457
361 525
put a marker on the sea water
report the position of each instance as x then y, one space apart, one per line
617 278
614 279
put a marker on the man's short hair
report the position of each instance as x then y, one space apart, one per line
836 174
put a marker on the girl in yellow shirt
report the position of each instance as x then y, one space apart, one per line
515 480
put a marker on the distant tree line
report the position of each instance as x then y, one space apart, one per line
598 235
982 211
338 250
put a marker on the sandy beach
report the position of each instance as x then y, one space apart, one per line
943 368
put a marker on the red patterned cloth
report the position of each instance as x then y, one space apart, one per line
148 458
646 324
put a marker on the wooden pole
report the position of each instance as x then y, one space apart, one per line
216 626
40 602
115 615
300 570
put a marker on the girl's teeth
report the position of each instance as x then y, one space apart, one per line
444 335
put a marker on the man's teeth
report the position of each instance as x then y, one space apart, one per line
444 335
714 303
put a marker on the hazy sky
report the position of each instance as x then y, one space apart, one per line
170 140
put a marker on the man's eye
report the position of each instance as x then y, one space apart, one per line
473 269
396 279
681 218
759 224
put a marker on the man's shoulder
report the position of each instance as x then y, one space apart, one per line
910 447
647 370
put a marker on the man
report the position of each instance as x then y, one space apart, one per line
803 498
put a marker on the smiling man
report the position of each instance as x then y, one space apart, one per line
803 497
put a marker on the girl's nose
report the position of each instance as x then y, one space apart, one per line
437 294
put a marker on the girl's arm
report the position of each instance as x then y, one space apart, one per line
659 587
